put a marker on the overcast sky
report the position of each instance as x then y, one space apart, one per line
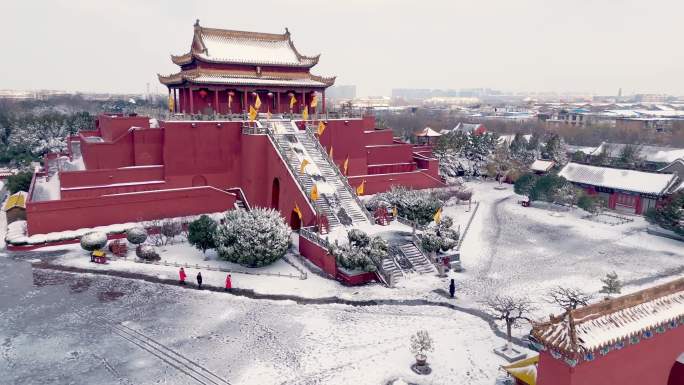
593 46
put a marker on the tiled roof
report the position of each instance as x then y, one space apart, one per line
610 322
626 180
242 47
655 154
16 200
542 165
247 78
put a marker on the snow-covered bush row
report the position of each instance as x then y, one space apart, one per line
440 237
361 253
16 234
416 205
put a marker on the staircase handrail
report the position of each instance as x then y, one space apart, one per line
345 182
295 173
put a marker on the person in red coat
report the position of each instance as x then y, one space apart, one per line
181 275
229 283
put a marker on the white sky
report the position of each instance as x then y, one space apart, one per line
593 46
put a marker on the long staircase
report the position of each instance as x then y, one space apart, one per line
419 261
294 146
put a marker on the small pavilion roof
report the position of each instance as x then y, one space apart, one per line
542 165
17 199
593 327
524 370
242 47
428 132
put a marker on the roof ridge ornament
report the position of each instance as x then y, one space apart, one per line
197 24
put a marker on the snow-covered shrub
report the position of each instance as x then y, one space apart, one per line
362 252
416 205
440 237
93 241
147 252
421 343
358 238
253 238
136 235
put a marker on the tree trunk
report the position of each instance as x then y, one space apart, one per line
508 334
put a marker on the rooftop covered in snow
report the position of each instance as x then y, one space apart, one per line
626 180
243 47
613 321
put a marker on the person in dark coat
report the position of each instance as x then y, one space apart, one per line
452 288
199 280
181 276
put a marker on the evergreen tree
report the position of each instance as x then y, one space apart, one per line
19 182
611 284
201 233
671 215
253 238
136 235
525 184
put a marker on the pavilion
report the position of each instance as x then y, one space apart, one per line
226 71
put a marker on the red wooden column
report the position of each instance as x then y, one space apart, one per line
303 103
244 99
216 105
277 109
323 110
192 103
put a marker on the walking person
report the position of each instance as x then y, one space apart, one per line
181 276
229 283
452 288
199 280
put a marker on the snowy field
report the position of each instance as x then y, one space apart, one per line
525 251
64 328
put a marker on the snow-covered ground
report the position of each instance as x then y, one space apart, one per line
525 251
102 330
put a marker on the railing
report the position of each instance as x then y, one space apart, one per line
345 181
314 237
295 173
243 116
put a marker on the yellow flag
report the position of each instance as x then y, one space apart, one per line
257 102
331 153
394 211
293 100
345 165
305 113
301 167
314 101
362 188
252 114
321 128
298 211
171 104
438 216
314 192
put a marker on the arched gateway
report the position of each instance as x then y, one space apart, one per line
635 339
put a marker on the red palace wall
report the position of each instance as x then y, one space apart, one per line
318 256
49 216
215 153
649 362
113 126
262 165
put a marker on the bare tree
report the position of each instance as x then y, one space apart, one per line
568 298
510 310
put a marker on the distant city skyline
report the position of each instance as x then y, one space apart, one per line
378 45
